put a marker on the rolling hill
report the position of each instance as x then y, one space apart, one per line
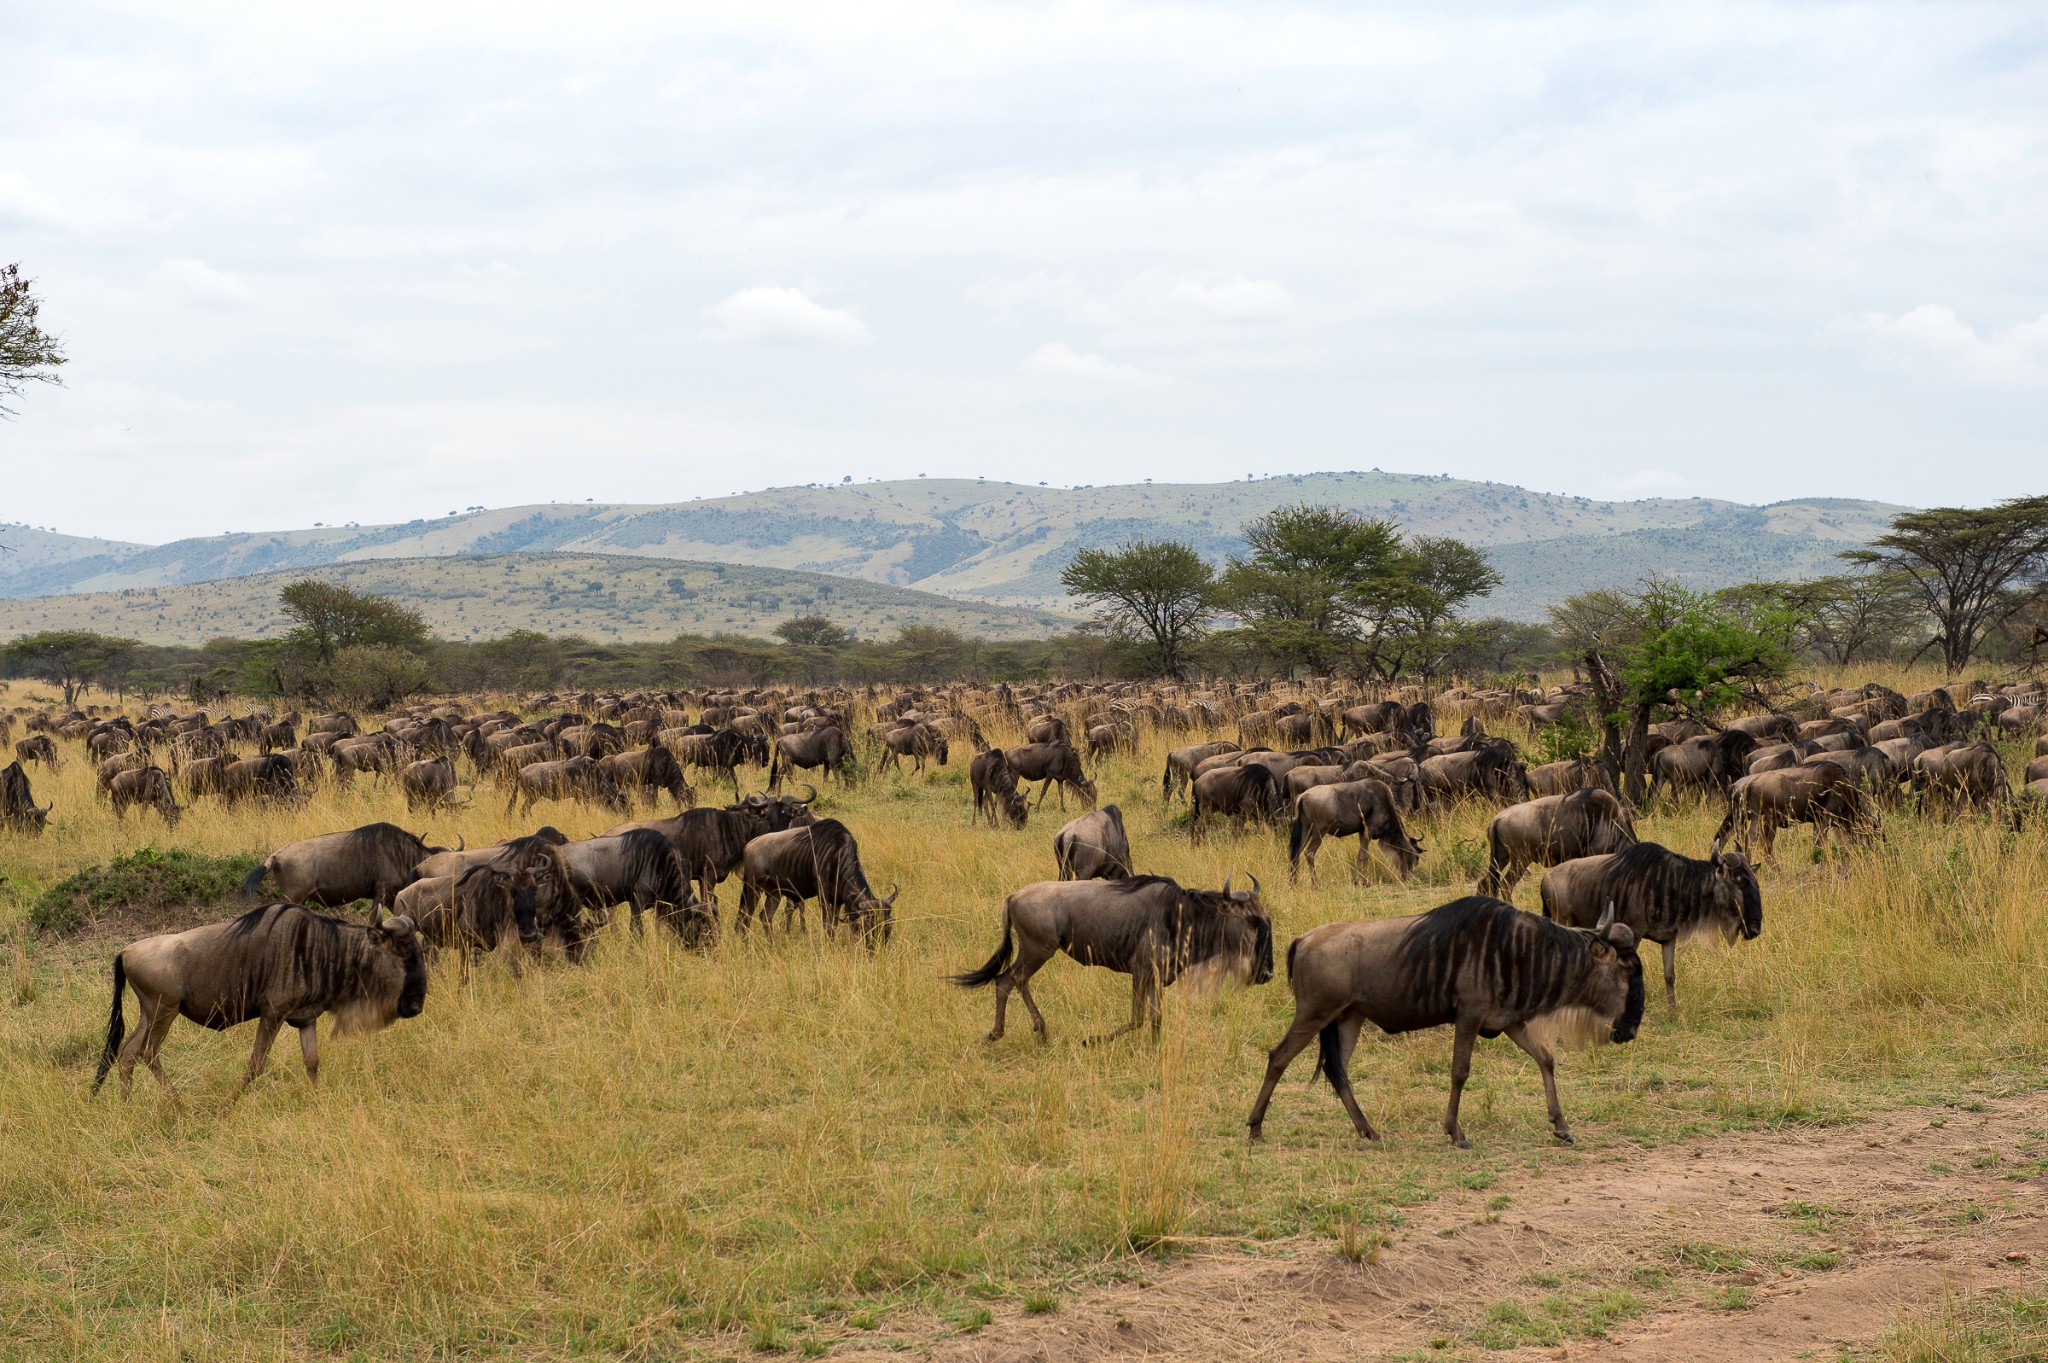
1005 543
608 598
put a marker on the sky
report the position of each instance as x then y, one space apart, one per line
376 261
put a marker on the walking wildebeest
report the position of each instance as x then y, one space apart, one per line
1053 764
1492 771
37 748
149 786
1146 927
1550 829
18 809
651 770
994 783
1365 810
712 842
278 964
486 908
1662 896
824 749
818 861
428 784
1825 796
639 868
723 752
373 862
1476 964
916 742
269 779
1574 773
1181 764
1093 847
1247 792
570 778
1708 763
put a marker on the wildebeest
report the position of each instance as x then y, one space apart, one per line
1550 829
278 964
1093 847
1708 763
1476 964
651 770
18 808
1352 809
150 786
1053 764
916 742
1825 796
818 861
1970 775
1492 771
823 749
269 779
485 908
428 784
373 862
723 752
1181 764
639 868
711 842
994 784
1247 792
1047 729
37 748
569 778
1573 773
1147 927
1662 896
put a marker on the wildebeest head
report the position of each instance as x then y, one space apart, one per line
1737 896
1245 928
394 938
1617 983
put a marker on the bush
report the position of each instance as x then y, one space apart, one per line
146 881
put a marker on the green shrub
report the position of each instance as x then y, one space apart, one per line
147 879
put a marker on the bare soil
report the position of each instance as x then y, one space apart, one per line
1740 1247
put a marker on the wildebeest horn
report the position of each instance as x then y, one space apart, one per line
461 843
889 900
1606 919
400 926
813 792
1714 852
1226 881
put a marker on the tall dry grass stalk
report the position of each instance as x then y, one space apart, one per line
624 1159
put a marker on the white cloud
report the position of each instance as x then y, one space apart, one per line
1054 360
194 281
1241 300
1932 342
784 316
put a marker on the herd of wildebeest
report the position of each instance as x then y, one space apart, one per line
1305 758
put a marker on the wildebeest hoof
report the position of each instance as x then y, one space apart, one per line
1462 1144
993 1037
1565 1137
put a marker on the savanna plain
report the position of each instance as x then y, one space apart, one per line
792 1145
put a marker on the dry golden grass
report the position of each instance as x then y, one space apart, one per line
785 1143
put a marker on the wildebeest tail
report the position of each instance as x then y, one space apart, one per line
997 964
1296 835
1496 858
1329 1055
1290 956
117 1025
252 884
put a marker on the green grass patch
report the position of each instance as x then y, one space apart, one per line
147 882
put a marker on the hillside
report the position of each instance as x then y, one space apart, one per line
1006 542
607 598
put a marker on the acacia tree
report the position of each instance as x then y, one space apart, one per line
1436 576
72 658
1970 567
28 354
1318 580
1160 591
330 618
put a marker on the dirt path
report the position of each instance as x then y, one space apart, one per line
1745 1247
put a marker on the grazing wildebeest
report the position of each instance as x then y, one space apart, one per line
994 783
428 784
1047 729
723 752
269 779
150 786
1476 964
37 748
1243 793
18 809
651 770
1872 766
1093 847
1550 829
1773 728
485 908
1147 927
818 861
1181 764
823 749
373 862
711 842
1352 809
1825 796
1308 777
639 868
1492 771
273 737
278 964
1970 775
1662 896
1708 763
916 742
1574 773
105 772
1053 764
569 778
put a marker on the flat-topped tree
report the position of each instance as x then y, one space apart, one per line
1973 568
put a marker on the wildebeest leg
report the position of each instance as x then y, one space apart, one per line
158 1014
309 1050
1277 1060
1348 1028
1671 974
1461 1070
1144 989
266 1032
1031 958
1541 1055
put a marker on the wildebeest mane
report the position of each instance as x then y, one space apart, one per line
835 862
1678 888
304 951
1528 965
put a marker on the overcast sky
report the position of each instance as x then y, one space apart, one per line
374 261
